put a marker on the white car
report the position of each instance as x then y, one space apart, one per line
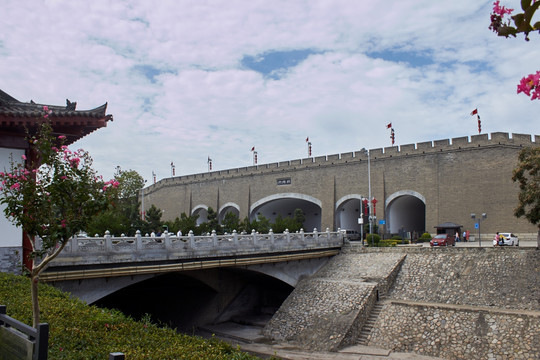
509 238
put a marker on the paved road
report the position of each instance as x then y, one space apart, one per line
488 242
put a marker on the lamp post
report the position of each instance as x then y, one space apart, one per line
369 203
484 216
142 202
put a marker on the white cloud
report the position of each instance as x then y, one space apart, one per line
204 103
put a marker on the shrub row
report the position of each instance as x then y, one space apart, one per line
79 331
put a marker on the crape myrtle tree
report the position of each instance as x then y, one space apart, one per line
516 24
52 195
527 175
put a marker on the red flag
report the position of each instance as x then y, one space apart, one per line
474 112
307 139
389 126
253 148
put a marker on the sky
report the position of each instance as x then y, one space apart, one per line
187 81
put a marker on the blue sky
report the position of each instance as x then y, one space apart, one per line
187 80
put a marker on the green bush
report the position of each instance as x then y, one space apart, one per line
389 242
425 237
376 238
79 331
397 237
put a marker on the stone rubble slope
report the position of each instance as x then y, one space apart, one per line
328 310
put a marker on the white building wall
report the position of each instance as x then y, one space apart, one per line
10 235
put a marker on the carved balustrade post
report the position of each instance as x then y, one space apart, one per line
108 240
235 237
191 239
138 240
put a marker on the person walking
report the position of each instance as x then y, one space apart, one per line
496 239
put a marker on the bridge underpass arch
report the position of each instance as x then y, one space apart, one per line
348 210
406 212
284 204
187 300
229 207
202 211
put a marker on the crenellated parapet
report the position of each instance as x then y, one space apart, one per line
418 149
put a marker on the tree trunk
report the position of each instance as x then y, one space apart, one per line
34 277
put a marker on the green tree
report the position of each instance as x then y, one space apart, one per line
130 184
261 224
52 196
111 220
153 219
188 223
527 174
230 222
212 222
299 218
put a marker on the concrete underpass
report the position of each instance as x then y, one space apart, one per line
189 300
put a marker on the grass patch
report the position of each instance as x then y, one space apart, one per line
80 331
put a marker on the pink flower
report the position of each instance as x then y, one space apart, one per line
23 157
63 223
530 83
47 111
501 10
61 137
63 177
75 162
15 186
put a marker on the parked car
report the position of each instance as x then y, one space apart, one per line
442 240
351 235
508 239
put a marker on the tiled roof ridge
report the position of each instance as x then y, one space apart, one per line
11 106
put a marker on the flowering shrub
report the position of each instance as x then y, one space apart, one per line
529 85
52 195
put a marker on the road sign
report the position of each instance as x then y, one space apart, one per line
476 225
382 222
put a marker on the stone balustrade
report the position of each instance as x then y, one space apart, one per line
139 248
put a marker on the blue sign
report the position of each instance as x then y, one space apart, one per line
476 225
382 222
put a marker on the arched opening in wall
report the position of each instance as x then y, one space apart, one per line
349 209
202 211
229 208
406 214
284 206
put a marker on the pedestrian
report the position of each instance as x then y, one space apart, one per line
179 233
496 239
456 237
464 236
468 234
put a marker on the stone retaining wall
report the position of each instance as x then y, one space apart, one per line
454 333
11 259
458 303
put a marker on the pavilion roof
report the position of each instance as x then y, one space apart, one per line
17 116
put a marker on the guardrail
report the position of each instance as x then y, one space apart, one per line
20 341
110 249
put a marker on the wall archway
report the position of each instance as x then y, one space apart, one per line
202 211
406 212
226 208
347 211
284 204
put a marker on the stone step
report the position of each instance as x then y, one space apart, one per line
363 337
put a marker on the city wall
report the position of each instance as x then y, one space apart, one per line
456 177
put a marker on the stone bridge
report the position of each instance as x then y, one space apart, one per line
94 268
